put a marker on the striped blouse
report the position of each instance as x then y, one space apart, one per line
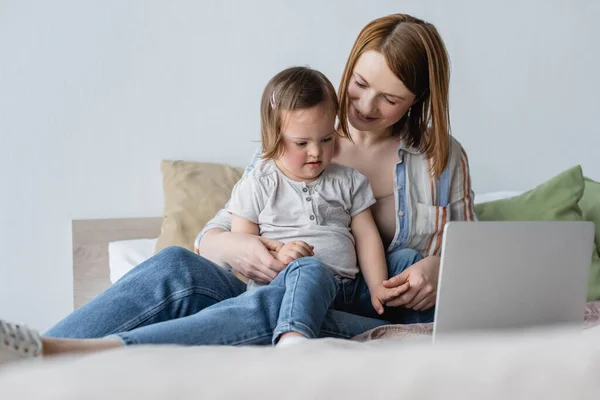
423 203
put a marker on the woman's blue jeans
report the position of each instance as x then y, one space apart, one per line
179 297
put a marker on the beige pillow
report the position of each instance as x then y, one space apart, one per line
194 192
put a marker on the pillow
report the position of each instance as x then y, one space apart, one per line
590 206
124 255
194 192
555 200
493 196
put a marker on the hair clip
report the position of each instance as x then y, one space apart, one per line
273 100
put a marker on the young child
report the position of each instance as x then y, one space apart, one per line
297 196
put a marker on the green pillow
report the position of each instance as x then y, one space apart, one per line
590 206
594 282
554 200
590 209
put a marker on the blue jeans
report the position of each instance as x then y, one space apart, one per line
179 297
309 289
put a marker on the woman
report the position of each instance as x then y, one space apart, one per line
394 103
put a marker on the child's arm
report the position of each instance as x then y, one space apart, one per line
369 248
242 225
371 258
285 253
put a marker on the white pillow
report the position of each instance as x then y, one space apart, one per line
124 255
492 196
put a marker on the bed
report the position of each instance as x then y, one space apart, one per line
558 364
106 249
388 362
92 239
395 361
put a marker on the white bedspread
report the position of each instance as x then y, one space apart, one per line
549 364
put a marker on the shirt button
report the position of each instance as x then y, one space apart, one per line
399 187
305 190
308 199
312 217
401 213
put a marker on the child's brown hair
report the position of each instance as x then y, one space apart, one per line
291 89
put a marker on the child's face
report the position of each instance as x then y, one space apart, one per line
308 142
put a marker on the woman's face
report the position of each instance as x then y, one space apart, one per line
377 99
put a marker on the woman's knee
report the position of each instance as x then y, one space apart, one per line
174 252
175 261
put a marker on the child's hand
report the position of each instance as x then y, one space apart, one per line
294 250
380 295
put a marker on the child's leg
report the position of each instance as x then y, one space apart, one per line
310 288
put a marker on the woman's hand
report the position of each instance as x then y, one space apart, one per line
380 295
422 278
250 255
294 250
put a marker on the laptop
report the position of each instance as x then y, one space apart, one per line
512 275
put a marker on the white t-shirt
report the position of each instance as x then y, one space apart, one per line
318 213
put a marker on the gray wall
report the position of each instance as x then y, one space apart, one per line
93 94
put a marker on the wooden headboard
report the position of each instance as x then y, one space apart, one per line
90 250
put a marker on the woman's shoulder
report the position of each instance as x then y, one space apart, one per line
455 151
263 171
457 154
456 157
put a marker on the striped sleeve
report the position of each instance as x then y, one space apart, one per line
461 193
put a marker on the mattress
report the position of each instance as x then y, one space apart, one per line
549 364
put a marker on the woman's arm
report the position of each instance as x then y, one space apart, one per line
247 254
423 276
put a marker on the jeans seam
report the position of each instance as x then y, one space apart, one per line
244 341
129 341
293 292
134 323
